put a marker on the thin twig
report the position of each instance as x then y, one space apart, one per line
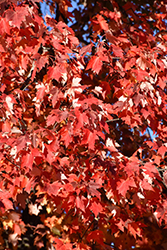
149 133
12 162
87 229
113 120
161 169
114 247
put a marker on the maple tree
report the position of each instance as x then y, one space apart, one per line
79 101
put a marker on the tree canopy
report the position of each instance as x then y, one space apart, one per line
83 125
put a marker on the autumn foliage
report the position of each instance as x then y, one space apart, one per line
83 125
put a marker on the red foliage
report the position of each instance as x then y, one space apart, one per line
78 165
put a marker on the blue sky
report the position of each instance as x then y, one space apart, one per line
46 11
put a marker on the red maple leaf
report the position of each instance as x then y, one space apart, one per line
96 208
117 51
16 16
97 236
120 225
92 188
162 150
89 138
27 161
56 116
6 127
54 188
102 22
162 82
146 185
80 203
66 137
161 212
124 186
134 229
21 142
4 198
95 64
5 26
56 72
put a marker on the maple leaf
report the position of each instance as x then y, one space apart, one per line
96 208
56 96
13 238
56 116
89 138
161 212
59 244
56 72
14 216
5 26
80 203
53 146
162 82
86 49
92 188
132 167
16 16
134 229
162 150
56 44
95 64
54 188
120 225
27 161
34 209
7 203
106 88
81 119
147 183
40 91
6 127
97 236
66 137
124 185
110 37
16 229
140 74
145 113
142 63
149 168
117 51
10 100
21 142
102 22
110 145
